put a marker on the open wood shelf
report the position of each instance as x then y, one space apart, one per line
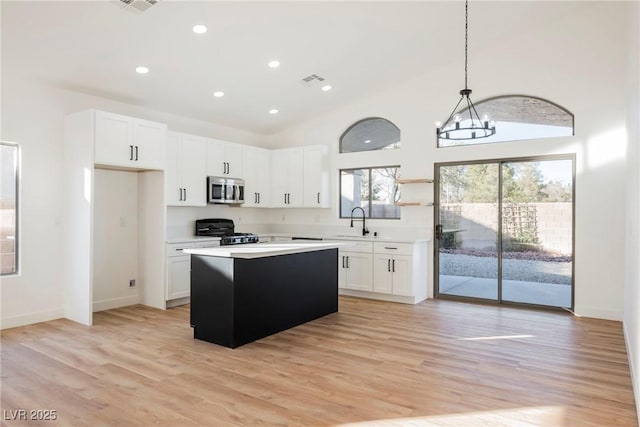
414 204
414 181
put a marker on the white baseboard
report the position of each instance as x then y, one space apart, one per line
31 318
599 313
108 304
179 301
379 297
635 382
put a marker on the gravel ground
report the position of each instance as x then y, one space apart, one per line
512 269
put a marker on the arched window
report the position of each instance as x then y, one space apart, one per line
519 117
373 133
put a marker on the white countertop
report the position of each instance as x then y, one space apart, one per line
260 250
348 237
324 237
190 239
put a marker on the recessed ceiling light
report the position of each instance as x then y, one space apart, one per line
274 64
326 88
273 111
199 29
142 70
367 141
218 94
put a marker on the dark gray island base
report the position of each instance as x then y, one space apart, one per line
235 301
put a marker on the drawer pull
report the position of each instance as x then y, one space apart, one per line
390 247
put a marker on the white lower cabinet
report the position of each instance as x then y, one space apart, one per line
179 277
392 274
384 270
355 266
179 268
355 270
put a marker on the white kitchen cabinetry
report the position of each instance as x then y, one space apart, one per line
178 277
355 266
185 174
255 172
123 141
224 158
384 270
287 176
178 283
316 177
392 267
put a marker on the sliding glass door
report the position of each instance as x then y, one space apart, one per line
504 231
468 230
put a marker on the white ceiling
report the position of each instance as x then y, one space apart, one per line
358 47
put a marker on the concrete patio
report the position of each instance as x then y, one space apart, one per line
549 294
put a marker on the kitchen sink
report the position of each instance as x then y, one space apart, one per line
352 237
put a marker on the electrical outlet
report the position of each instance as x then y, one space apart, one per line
132 283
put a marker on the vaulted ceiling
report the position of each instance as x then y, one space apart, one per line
356 47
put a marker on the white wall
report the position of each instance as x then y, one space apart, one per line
33 115
580 63
115 239
632 271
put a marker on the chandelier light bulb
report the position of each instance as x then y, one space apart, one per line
457 118
199 29
438 124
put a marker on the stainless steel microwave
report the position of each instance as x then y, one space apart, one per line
225 190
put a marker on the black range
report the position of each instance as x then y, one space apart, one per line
223 228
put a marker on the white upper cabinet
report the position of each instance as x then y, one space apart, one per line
256 173
316 177
129 142
186 171
287 177
224 158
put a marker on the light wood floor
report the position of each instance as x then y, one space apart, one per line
439 363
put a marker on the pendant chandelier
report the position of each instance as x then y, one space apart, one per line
457 127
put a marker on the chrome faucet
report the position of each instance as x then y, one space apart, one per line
364 229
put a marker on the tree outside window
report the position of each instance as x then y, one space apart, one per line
375 190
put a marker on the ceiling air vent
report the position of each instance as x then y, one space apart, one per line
311 80
137 6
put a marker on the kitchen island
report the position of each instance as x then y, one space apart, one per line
242 293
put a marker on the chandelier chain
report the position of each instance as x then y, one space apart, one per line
466 42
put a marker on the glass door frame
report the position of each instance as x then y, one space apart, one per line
436 217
